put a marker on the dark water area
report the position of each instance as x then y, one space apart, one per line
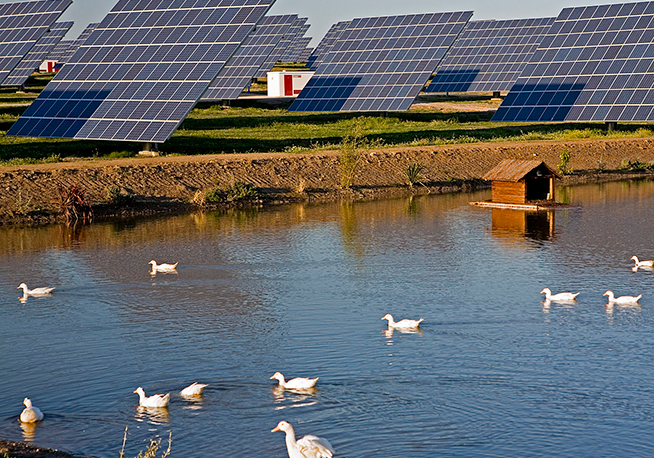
494 372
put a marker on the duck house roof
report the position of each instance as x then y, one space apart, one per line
515 170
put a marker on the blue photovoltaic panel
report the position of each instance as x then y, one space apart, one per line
66 49
280 49
595 64
489 56
241 68
326 44
297 44
381 64
305 54
142 70
22 24
37 54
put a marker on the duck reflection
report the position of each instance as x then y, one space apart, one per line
389 332
154 415
535 225
23 298
645 268
293 397
29 431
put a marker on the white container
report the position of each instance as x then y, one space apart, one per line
287 84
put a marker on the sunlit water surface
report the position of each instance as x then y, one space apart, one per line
301 290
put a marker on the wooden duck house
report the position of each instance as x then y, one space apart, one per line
522 182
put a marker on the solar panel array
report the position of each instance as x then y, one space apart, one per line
22 24
595 64
241 68
326 44
277 53
37 54
142 70
297 44
381 64
489 56
305 54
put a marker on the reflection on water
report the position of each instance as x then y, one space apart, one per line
29 431
493 372
389 332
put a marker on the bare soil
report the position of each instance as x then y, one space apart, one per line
28 193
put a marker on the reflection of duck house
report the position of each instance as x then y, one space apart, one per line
522 185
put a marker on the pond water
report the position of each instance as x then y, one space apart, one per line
301 290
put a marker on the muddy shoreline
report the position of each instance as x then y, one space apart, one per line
23 450
29 193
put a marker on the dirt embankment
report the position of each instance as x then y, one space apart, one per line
22 450
28 193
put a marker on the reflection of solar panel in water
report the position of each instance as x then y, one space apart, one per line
240 69
489 56
66 49
22 24
142 70
280 49
595 64
326 44
37 54
297 44
381 64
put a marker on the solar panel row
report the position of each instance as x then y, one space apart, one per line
595 64
241 68
142 70
489 56
381 64
22 24
37 54
297 44
326 44
279 50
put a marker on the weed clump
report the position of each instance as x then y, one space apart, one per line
636 165
413 173
116 198
564 164
73 204
238 192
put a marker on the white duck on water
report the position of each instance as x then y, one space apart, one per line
30 414
298 383
622 299
163 267
35 291
309 446
193 390
406 324
558 297
642 263
156 400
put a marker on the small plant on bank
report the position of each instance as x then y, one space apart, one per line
564 164
350 155
636 165
115 197
153 447
242 191
413 173
73 204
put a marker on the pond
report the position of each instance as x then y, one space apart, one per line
301 289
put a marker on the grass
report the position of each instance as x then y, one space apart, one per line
249 126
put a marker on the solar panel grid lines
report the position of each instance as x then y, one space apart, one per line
489 55
243 65
279 50
325 44
134 80
296 45
305 54
595 64
381 63
22 24
35 57
66 49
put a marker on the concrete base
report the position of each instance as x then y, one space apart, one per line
149 153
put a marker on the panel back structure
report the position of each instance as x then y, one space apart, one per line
381 63
142 70
242 66
489 56
595 64
277 53
37 54
22 24
325 45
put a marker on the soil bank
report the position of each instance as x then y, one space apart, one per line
28 193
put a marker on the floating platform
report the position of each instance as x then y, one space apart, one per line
536 206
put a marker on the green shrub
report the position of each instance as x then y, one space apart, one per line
115 197
564 164
242 191
636 165
413 173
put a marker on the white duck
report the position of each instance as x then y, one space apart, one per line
622 299
558 297
35 291
163 267
193 390
30 414
298 383
642 263
309 446
406 324
156 400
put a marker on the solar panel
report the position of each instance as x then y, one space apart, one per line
296 45
381 63
305 54
489 56
66 49
276 55
326 44
241 68
37 54
22 24
595 64
142 70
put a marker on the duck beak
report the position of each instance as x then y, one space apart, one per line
275 429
